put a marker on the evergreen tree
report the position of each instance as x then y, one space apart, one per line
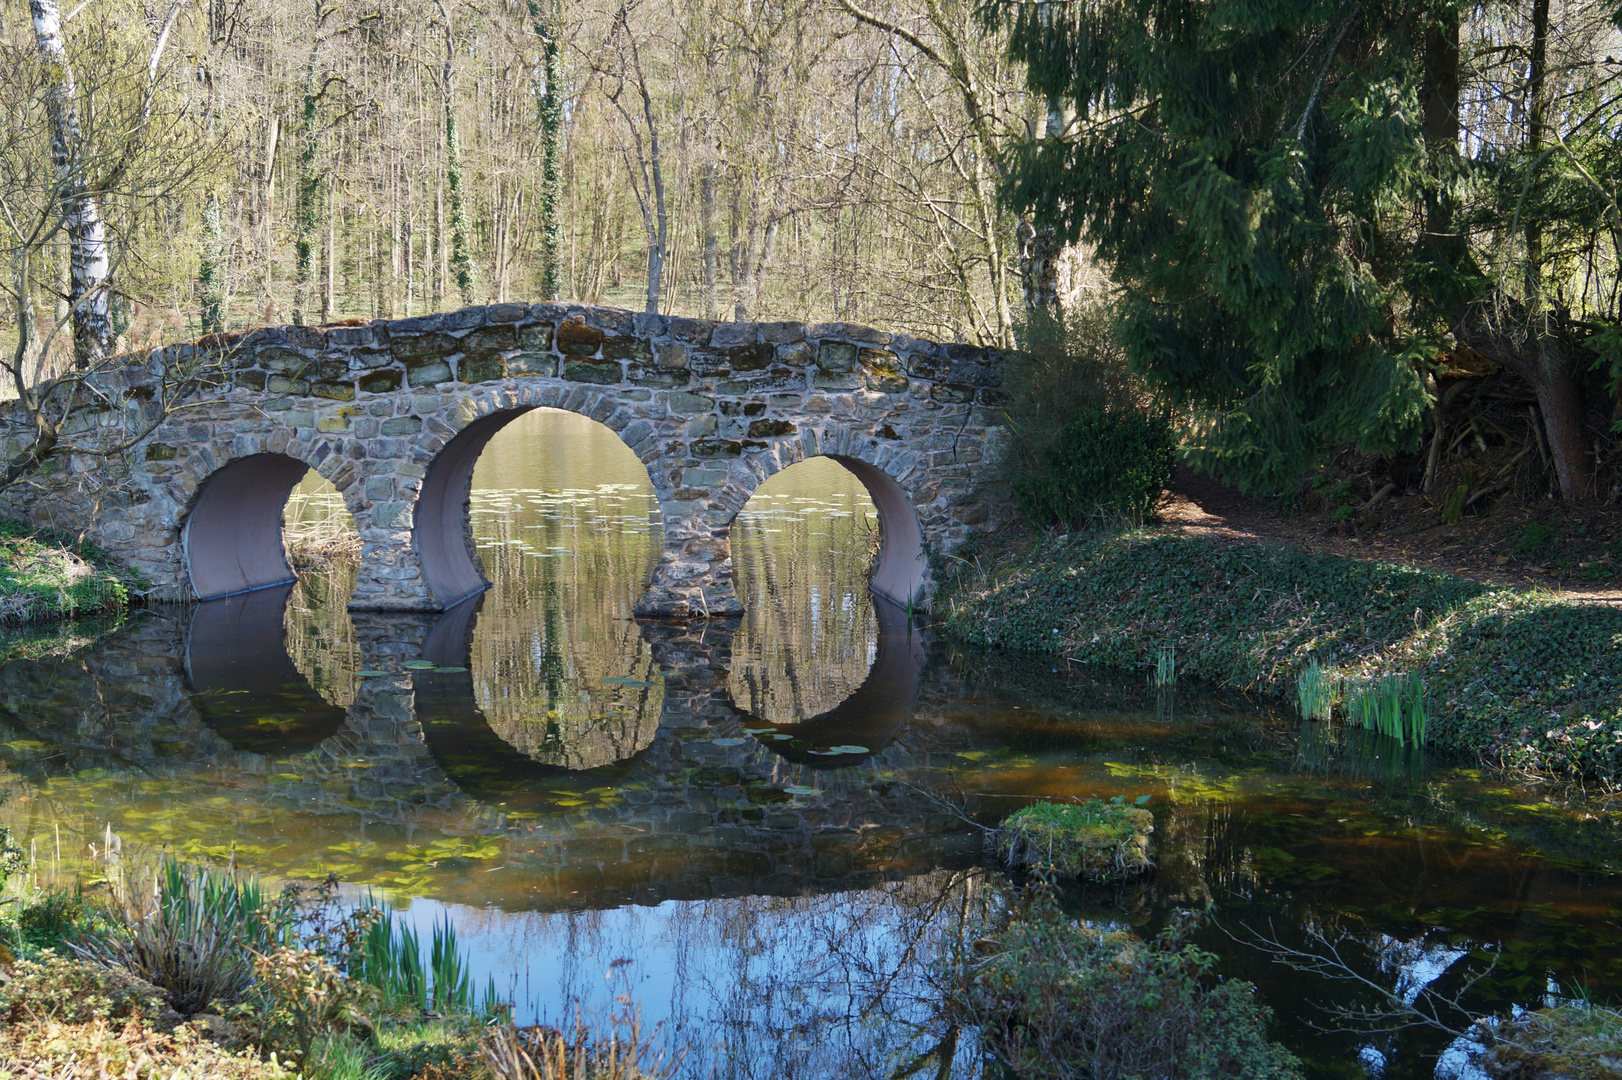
1276 187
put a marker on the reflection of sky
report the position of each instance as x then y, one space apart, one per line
835 985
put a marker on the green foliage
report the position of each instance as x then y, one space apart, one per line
391 960
1523 678
54 916
44 576
1536 540
1056 998
127 1051
1607 346
78 991
1083 442
304 997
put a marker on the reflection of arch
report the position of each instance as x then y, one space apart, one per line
874 714
243 682
233 535
477 760
450 568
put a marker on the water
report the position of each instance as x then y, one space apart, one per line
770 819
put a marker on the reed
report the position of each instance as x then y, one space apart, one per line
1315 692
1393 705
392 959
1165 673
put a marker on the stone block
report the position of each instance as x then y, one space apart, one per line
485 368
577 339
489 340
278 358
682 402
533 362
333 391
588 371
670 354
427 373
770 429
160 452
250 380
780 332
952 395
335 424
402 425
281 384
643 375
421 348
692 331
700 426
627 348
507 313
797 353
380 382
734 333
823 380
537 338
465 319
391 515
836 356
715 448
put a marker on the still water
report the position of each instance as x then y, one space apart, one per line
760 830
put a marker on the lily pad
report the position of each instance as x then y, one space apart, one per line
419 665
779 736
729 742
798 790
453 669
756 730
367 673
841 750
620 680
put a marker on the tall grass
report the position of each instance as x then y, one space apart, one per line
1315 692
1165 675
191 930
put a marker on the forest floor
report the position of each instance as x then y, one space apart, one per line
1575 554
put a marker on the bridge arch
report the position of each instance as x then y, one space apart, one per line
441 526
232 537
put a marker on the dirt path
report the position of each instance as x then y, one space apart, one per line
1480 549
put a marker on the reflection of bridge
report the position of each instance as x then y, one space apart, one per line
414 749
395 415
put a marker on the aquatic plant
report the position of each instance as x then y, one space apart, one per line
1165 674
391 959
1100 841
1393 705
1055 998
1315 692
191 930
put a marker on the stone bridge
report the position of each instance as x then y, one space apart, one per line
395 414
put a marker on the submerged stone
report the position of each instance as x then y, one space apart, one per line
1094 840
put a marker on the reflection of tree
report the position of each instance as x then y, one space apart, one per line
848 984
321 638
565 524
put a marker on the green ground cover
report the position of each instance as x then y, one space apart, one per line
1523 679
45 576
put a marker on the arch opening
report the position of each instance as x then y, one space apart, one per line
900 573
233 537
559 517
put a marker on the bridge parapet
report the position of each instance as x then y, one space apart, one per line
394 414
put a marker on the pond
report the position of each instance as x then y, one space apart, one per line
765 832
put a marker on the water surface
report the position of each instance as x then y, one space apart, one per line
773 819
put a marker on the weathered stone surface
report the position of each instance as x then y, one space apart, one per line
712 409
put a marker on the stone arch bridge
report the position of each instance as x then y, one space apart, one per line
395 414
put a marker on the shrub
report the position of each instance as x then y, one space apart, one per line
1083 439
52 1050
54 916
1055 998
79 991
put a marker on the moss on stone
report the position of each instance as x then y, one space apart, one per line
1572 1041
1094 840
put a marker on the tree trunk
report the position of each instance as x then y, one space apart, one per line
551 117
90 288
309 189
711 263
328 298
211 269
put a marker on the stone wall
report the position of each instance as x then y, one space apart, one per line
712 409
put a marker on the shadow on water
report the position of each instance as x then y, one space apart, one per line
245 684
